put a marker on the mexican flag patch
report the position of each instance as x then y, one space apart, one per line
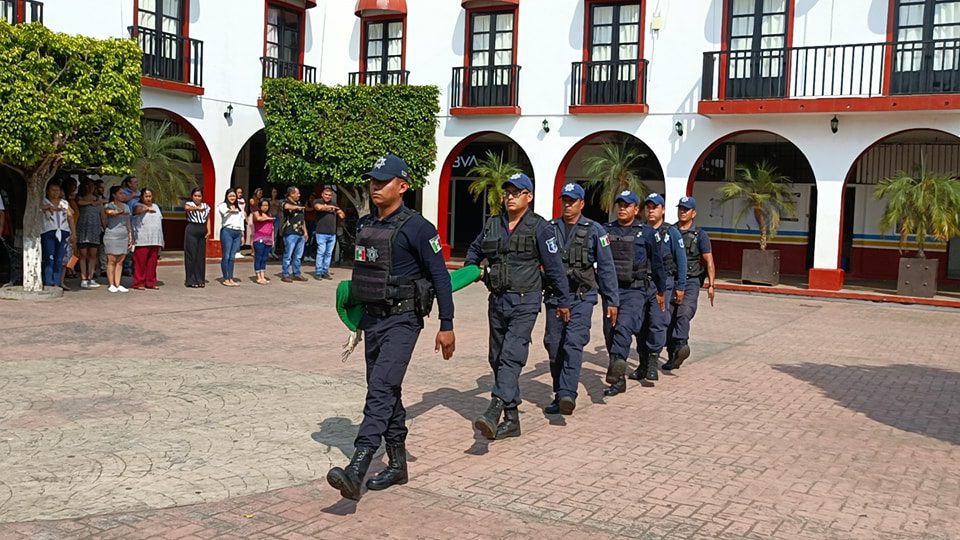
359 254
604 241
435 244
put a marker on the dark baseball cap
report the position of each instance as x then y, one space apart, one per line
519 181
628 197
387 168
655 198
687 202
573 190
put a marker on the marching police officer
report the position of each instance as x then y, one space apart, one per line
515 246
637 259
700 265
398 268
583 242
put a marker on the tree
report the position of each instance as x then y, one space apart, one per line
491 172
68 101
923 204
765 192
614 170
163 163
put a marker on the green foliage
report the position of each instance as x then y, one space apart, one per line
615 170
163 163
491 172
319 133
765 192
923 204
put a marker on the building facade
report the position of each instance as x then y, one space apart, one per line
838 94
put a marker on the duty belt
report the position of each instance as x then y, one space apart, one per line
402 306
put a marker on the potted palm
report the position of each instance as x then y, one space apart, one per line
491 172
768 195
924 205
164 161
615 169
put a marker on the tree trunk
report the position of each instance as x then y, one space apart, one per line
358 197
762 224
32 224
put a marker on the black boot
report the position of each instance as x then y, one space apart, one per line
641 371
653 367
671 358
510 427
487 422
552 408
396 472
617 388
616 369
683 352
349 479
567 405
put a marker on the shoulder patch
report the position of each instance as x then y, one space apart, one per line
656 236
605 240
435 244
552 245
680 240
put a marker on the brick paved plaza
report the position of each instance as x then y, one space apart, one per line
217 412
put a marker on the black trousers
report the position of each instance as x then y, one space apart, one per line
511 317
195 253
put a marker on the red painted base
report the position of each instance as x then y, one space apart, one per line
827 279
213 248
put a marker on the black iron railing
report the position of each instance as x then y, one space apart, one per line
170 57
274 68
379 77
622 82
855 70
485 86
21 11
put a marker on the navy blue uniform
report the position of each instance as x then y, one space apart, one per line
671 246
683 313
389 339
565 341
511 315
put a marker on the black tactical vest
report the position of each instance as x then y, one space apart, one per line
691 242
513 265
666 250
630 275
576 256
373 260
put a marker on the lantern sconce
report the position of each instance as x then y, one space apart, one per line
546 126
678 127
229 112
834 124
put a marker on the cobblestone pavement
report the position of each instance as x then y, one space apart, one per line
203 413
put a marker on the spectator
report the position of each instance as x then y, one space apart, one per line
117 238
263 224
326 232
55 234
242 204
294 236
147 240
252 206
89 233
130 195
69 189
276 210
100 192
231 231
199 229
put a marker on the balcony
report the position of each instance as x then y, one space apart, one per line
369 78
480 90
922 75
608 87
21 11
274 68
170 62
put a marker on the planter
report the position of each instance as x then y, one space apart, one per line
917 277
761 267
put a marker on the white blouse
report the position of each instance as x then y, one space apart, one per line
56 221
230 220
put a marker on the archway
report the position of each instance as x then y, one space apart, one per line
573 168
797 233
866 252
460 218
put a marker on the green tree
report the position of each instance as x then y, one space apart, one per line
491 172
67 101
765 192
924 205
164 161
614 170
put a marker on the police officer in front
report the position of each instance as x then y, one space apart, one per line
638 261
700 265
398 269
583 243
515 246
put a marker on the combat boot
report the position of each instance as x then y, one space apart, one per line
396 472
487 422
616 369
617 388
349 479
683 352
641 371
510 427
567 405
653 367
671 357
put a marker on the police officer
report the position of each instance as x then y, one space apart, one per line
515 246
696 241
637 260
398 267
583 242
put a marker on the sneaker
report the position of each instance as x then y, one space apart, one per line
121 288
240 256
84 284
93 284
113 289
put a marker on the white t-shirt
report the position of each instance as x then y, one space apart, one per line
56 221
230 220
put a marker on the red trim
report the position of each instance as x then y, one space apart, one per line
496 4
587 23
301 12
926 102
363 39
260 102
725 46
609 109
392 7
696 165
171 85
485 111
502 7
844 295
825 279
310 4
888 55
185 33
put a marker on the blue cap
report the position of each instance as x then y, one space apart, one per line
688 202
520 181
387 168
628 197
655 198
573 190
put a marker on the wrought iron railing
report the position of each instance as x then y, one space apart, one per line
378 77
170 57
607 82
485 86
21 11
274 68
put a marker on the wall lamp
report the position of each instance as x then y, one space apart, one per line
834 124
546 126
229 111
678 127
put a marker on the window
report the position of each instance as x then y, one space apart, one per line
160 35
614 52
756 45
383 53
492 74
283 43
927 46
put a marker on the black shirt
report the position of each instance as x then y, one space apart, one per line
327 222
292 219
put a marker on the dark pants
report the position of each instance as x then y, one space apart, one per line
657 321
53 251
388 344
511 317
630 320
679 330
195 253
261 254
565 342
230 244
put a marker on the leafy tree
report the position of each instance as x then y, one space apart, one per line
163 163
923 204
491 172
765 192
67 101
614 170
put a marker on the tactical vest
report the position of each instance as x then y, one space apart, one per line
630 275
513 265
373 260
576 256
691 242
666 250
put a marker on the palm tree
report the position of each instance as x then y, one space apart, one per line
163 163
491 172
924 204
765 192
614 170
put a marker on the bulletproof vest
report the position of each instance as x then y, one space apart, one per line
691 242
513 265
576 256
666 250
630 275
373 260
